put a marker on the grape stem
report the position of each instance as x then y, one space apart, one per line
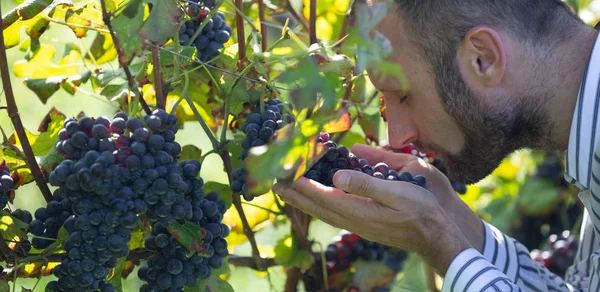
131 82
13 113
296 15
158 82
237 202
209 133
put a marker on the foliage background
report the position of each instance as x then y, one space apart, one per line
494 198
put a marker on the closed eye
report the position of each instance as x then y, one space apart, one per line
403 99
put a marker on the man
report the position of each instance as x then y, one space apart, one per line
486 78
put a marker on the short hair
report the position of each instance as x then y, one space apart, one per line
438 26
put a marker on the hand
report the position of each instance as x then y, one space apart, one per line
393 213
437 183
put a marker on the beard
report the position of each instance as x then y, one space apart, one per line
491 133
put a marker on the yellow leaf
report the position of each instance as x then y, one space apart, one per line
41 65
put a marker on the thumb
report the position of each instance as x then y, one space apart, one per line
362 184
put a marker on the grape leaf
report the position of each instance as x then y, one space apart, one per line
163 21
190 236
12 228
339 125
223 190
137 238
102 49
45 88
289 254
371 275
43 142
370 51
132 29
116 279
41 65
235 149
370 124
414 276
190 152
15 159
537 196
87 14
126 24
214 283
27 14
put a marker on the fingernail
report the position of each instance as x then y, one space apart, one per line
343 180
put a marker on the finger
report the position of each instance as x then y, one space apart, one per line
309 206
331 198
375 155
385 192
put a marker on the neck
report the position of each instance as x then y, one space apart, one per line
569 66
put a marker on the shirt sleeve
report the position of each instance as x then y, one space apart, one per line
504 265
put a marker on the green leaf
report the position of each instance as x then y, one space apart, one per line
190 152
223 190
137 238
190 236
116 279
289 254
163 21
56 245
49 128
235 149
214 283
414 275
126 23
4 287
45 88
132 29
11 227
370 124
115 92
102 49
371 275
503 211
538 195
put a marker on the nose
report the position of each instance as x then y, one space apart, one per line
400 124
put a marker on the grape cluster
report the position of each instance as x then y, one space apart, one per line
114 171
49 219
558 254
169 267
339 157
350 247
6 184
214 34
436 162
260 128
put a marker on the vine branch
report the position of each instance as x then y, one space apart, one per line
241 35
131 82
313 21
263 27
158 82
13 113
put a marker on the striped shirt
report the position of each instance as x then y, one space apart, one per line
505 264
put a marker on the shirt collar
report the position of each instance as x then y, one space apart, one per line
584 133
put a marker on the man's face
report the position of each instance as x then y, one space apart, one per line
439 112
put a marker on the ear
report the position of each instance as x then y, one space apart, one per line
482 56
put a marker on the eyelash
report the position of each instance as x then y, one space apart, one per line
403 99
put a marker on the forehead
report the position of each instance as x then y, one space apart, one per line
404 53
